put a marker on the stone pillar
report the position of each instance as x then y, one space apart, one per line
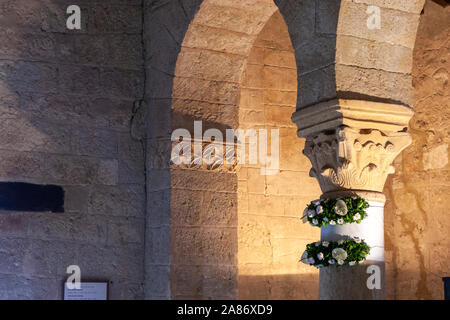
351 145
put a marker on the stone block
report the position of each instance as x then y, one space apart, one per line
14 287
28 76
28 46
213 115
108 172
34 135
316 86
252 98
158 245
260 204
204 246
158 208
111 19
210 65
256 181
290 183
278 97
237 19
254 246
414 6
219 209
206 90
157 282
280 116
203 180
375 83
124 200
49 259
280 78
123 84
252 76
124 290
95 142
204 37
12 255
186 206
327 17
285 59
373 55
14 223
315 53
125 230
256 55
76 198
397 27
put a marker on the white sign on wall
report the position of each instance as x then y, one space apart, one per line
87 291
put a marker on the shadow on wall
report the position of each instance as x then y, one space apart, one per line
66 100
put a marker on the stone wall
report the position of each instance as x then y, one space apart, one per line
66 101
417 224
270 232
67 104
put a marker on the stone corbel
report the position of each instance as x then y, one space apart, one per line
351 144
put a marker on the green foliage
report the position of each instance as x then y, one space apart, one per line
356 207
357 251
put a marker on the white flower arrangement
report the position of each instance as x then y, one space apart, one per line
341 207
344 252
335 211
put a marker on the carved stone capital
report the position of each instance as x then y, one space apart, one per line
352 144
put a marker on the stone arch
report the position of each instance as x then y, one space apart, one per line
185 82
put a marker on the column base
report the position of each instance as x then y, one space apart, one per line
350 283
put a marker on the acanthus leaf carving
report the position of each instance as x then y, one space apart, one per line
347 158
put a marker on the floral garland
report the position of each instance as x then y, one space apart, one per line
343 252
335 211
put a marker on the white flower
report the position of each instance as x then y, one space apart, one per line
331 261
325 244
305 216
310 261
316 202
341 208
332 222
325 219
340 262
356 217
315 222
357 240
340 221
319 209
317 243
352 263
339 254
320 256
311 213
304 257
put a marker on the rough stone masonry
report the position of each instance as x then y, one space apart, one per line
92 110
